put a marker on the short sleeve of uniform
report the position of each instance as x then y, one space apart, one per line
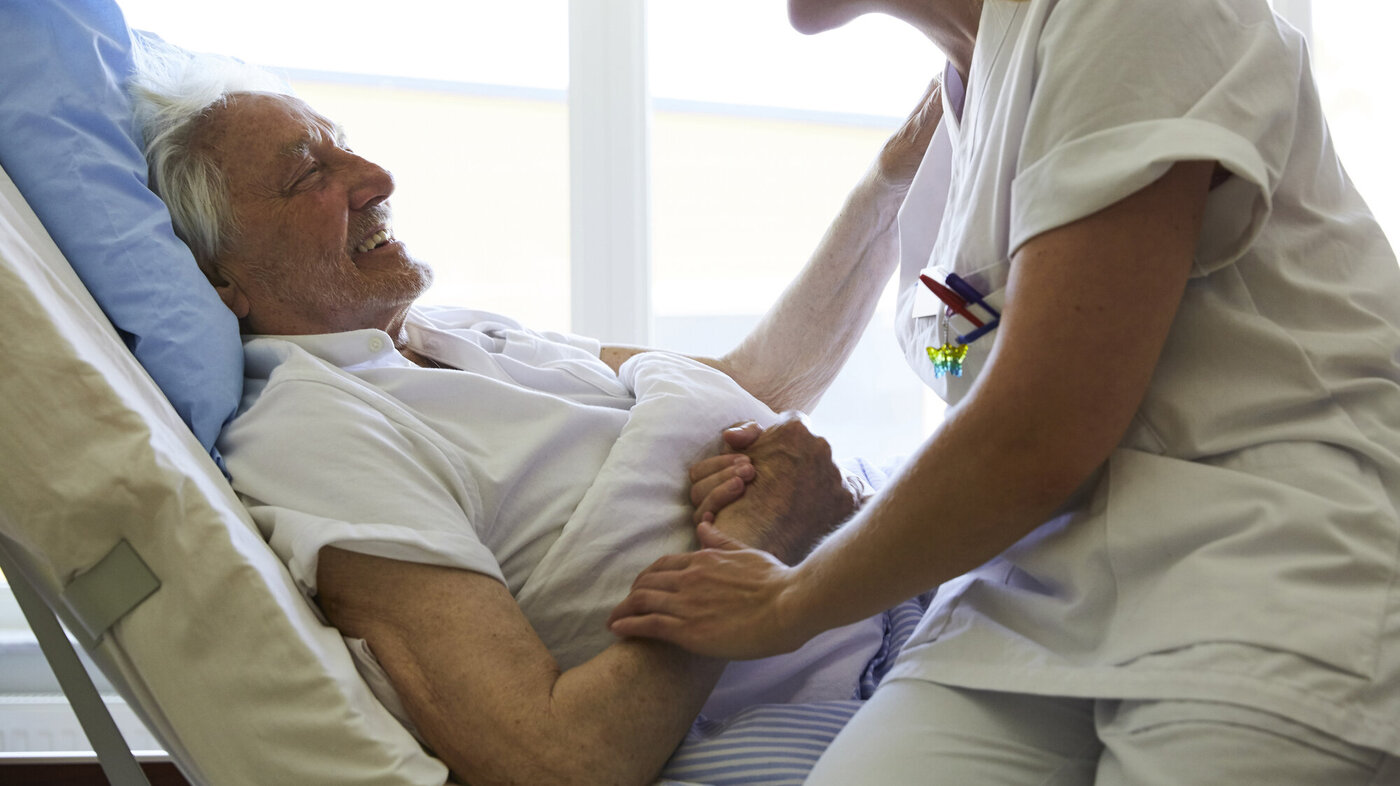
1120 91
320 461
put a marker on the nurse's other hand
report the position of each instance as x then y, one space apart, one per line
904 150
724 601
719 480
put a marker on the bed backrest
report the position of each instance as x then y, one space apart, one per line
230 667
100 474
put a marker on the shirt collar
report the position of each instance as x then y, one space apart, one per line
348 350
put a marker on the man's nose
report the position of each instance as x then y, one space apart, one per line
371 184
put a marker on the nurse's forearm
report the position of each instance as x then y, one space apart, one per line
981 484
1088 309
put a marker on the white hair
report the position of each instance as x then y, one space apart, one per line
172 90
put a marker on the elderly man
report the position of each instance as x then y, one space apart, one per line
434 478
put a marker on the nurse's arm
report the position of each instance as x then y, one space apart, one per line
488 697
794 353
1087 312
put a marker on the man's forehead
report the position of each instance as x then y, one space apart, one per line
267 125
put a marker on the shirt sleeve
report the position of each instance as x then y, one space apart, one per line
1123 90
321 462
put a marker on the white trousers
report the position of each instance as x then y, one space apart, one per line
915 732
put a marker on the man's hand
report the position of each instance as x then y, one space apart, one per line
796 494
800 345
904 150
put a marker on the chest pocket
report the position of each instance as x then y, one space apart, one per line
929 330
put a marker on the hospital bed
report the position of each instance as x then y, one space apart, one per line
116 522
116 518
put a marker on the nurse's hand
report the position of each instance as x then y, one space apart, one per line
904 150
717 481
724 601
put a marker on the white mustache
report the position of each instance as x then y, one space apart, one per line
367 223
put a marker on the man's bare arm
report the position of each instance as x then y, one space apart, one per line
486 694
799 346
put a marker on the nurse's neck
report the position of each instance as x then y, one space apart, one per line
952 27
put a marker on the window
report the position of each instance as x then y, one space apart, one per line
758 134
1353 54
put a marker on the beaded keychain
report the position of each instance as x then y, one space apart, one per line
948 358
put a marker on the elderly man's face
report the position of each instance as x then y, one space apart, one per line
315 251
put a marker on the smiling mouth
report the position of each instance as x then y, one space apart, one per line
380 238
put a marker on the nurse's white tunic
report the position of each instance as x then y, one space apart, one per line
1241 543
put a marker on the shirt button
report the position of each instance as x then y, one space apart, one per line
376 344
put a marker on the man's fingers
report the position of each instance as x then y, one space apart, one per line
718 481
718 498
717 464
740 470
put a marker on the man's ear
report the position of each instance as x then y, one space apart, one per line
234 298
229 291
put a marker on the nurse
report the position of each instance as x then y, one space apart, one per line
1161 513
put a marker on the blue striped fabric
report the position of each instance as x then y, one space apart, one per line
777 744
900 622
769 744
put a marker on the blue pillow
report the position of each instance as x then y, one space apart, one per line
67 140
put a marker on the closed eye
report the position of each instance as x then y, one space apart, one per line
307 174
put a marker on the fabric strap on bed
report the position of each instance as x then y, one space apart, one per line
103 594
115 757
